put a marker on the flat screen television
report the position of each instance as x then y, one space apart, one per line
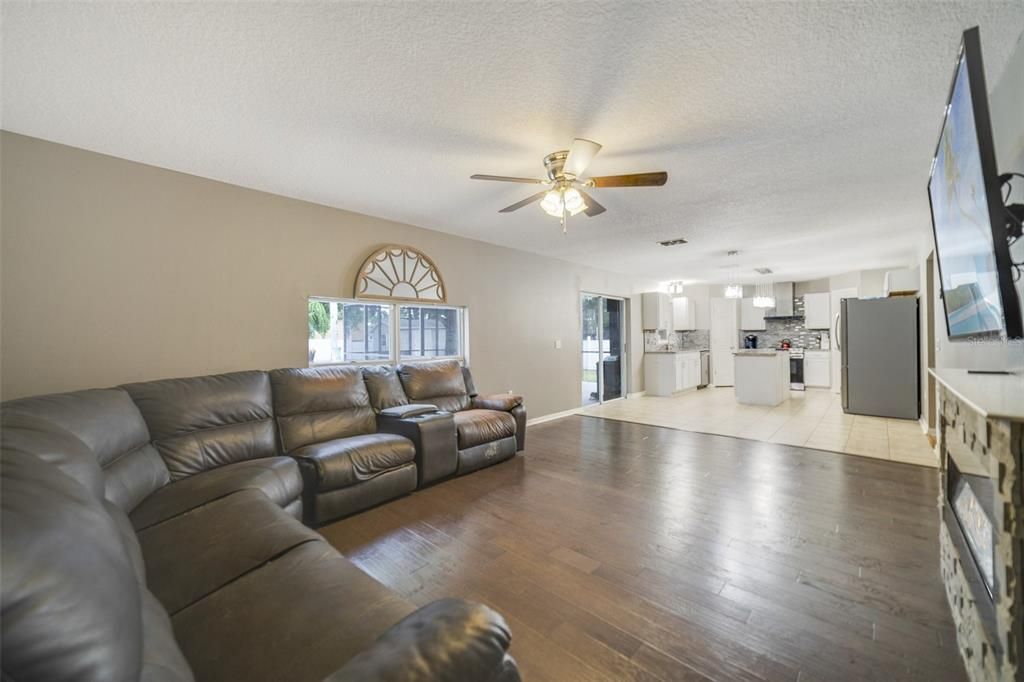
968 219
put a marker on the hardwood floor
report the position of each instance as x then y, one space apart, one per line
621 551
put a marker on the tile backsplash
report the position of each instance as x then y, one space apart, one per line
791 328
698 339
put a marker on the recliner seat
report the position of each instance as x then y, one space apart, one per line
489 429
326 423
216 434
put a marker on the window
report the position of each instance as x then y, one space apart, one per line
356 331
345 331
429 332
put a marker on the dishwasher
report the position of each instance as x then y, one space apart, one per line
705 369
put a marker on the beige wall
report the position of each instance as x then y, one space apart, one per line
114 271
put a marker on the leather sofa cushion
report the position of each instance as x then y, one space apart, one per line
384 387
71 606
476 427
36 436
129 540
299 617
201 423
504 402
276 477
320 403
222 540
162 659
110 425
439 383
347 461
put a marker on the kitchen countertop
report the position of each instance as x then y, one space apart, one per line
674 352
759 352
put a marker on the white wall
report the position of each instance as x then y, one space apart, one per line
114 271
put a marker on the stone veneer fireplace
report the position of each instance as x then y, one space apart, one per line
981 439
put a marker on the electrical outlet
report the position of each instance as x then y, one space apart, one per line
558 344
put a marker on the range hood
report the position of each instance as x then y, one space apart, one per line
783 301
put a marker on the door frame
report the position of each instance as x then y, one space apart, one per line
623 365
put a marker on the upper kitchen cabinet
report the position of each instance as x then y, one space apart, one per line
684 313
657 310
816 311
751 318
903 282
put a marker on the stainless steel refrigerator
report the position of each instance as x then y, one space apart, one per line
878 344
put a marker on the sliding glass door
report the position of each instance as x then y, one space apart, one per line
603 324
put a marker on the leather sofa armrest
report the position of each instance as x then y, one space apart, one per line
404 411
503 402
449 639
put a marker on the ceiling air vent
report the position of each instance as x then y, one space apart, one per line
763 271
673 242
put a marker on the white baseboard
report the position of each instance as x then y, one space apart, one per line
638 394
553 416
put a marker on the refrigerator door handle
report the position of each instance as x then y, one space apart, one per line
835 332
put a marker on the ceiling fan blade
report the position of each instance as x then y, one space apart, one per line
632 180
581 153
593 208
505 178
525 202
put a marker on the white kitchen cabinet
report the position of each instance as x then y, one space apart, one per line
817 368
691 370
816 311
666 373
684 313
901 282
751 318
657 310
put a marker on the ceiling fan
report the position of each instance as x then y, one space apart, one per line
566 195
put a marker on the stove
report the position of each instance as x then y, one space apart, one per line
796 369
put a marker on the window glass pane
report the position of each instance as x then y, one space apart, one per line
430 332
348 332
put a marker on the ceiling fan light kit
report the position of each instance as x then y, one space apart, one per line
564 170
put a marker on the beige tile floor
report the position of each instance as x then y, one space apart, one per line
813 418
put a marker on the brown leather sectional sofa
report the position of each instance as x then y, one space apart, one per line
151 531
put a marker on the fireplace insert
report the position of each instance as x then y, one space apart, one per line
970 515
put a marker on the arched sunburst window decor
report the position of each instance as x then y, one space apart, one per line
400 273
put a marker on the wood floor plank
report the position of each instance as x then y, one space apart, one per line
622 551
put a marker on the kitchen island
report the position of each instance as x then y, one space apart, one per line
762 376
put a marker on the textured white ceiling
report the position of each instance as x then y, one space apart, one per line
799 133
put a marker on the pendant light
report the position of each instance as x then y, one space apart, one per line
733 289
764 294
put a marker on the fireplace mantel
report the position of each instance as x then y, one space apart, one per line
981 430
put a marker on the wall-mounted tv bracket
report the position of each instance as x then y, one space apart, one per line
1014 220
